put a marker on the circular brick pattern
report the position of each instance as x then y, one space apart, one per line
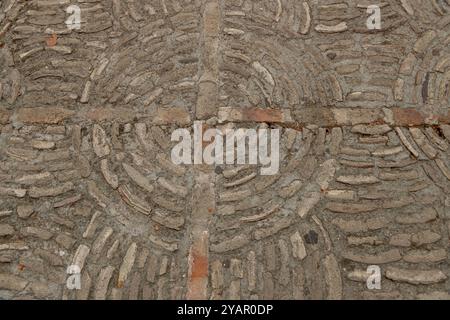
86 176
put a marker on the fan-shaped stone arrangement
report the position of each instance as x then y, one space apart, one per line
86 176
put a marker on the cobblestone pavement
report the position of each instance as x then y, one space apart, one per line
86 177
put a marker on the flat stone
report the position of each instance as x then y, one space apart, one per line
380 258
354 226
254 115
64 240
25 211
372 129
352 207
51 258
357 179
401 240
42 145
99 141
80 256
341 27
104 278
173 115
423 42
435 295
425 256
428 214
341 194
216 274
425 237
37 232
298 247
43 115
127 264
415 276
230 244
332 278
120 115
39 192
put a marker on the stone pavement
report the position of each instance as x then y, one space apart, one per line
86 177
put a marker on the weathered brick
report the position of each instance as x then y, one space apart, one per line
43 115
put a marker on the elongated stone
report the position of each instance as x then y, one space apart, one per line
230 244
37 232
423 42
415 276
92 226
127 265
357 179
109 176
19 193
384 257
298 247
332 278
428 214
352 207
39 192
423 142
372 129
354 226
425 256
341 27
103 280
251 270
80 256
216 274
99 141
138 178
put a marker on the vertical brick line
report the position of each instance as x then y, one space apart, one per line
209 67
203 206
203 196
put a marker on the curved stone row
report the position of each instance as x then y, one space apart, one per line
86 177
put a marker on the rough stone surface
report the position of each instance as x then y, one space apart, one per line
86 177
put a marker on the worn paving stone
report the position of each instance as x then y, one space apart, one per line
86 177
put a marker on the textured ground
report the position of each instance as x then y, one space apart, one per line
85 171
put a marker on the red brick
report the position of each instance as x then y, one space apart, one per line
173 115
408 117
198 268
43 115
444 118
262 115
121 115
254 115
323 117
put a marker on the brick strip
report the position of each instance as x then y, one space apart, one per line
320 116
203 207
208 85
57 115
415 117
203 197
43 115
333 117
160 116
254 115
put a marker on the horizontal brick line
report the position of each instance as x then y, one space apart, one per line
332 117
320 116
57 115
